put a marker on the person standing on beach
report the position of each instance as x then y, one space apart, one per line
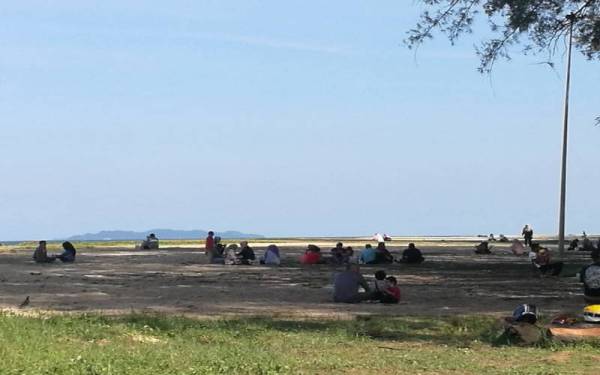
527 234
209 244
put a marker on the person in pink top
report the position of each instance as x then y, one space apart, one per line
209 245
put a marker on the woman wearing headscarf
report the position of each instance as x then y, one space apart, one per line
271 256
68 256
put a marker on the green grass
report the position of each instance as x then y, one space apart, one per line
151 344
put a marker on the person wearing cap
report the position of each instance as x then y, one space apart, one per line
209 243
590 277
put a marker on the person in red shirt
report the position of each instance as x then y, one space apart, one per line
392 293
209 245
312 255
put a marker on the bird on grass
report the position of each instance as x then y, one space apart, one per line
24 303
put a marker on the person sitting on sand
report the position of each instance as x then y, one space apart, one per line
337 253
230 254
483 248
491 238
368 255
590 277
150 243
271 256
383 256
392 293
347 255
541 258
68 256
312 255
517 247
379 285
502 238
217 254
587 244
574 244
40 255
219 250
412 255
246 255
346 286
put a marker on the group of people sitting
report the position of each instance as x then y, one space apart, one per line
231 254
369 255
347 285
150 243
40 255
586 244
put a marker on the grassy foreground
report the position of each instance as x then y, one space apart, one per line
150 344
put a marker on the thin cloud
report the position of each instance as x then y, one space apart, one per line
271 43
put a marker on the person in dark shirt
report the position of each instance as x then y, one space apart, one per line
412 255
347 284
574 244
527 233
590 277
337 253
483 248
151 242
246 255
383 256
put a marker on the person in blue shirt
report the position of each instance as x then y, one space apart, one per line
368 255
68 256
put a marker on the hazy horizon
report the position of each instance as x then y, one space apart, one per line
281 119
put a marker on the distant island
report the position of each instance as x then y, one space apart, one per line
163 234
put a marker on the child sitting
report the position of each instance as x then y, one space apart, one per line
347 255
392 293
230 254
380 285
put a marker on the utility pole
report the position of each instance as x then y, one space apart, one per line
563 171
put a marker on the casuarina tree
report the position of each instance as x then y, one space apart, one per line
536 26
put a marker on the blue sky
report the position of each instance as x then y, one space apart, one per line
279 118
